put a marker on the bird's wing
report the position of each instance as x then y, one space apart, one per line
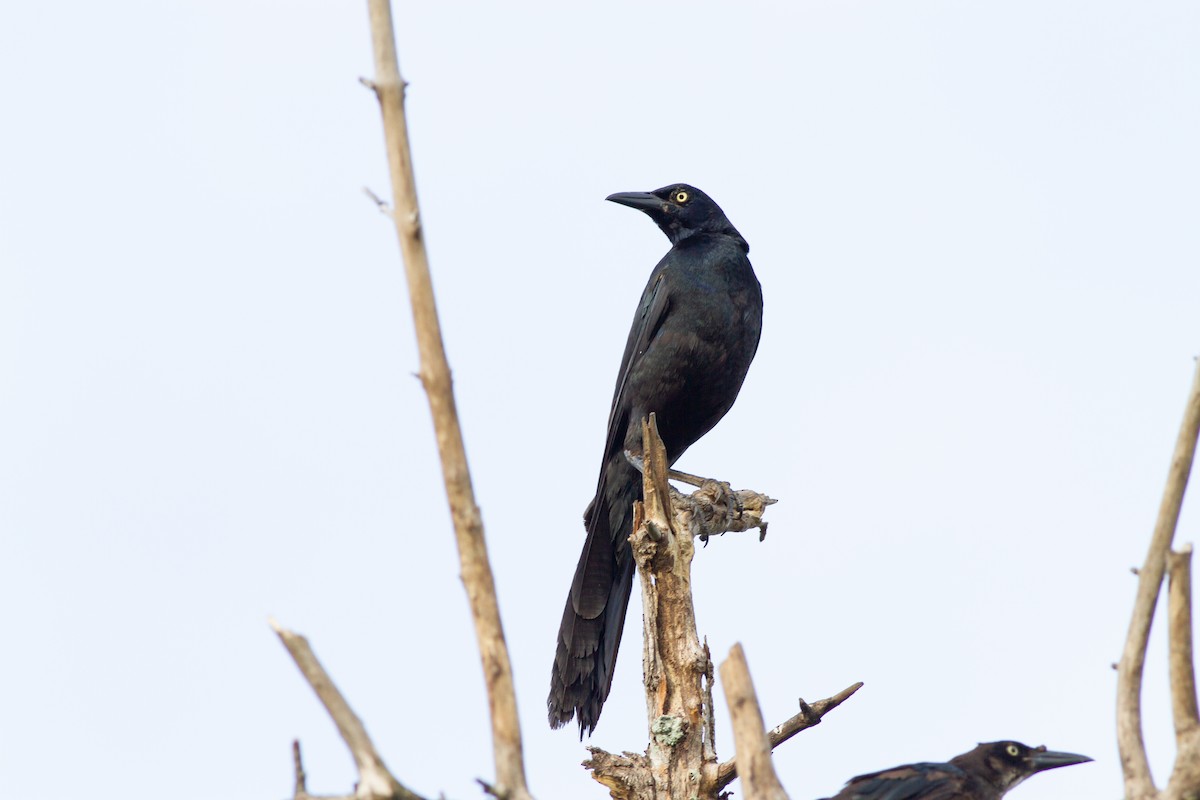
590 597
652 312
910 782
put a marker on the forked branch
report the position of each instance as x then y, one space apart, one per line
375 782
1185 777
1139 785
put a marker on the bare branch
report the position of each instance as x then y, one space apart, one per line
301 792
435 375
1179 618
759 781
1139 785
1185 777
807 718
374 780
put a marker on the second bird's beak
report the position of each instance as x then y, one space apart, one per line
642 201
1050 759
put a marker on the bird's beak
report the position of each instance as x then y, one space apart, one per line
1050 759
642 201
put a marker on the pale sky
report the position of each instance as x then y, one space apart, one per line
975 225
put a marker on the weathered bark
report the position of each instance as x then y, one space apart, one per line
674 664
1185 779
680 762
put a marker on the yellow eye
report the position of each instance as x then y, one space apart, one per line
681 197
1013 750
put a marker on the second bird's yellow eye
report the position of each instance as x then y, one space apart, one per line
1013 750
681 197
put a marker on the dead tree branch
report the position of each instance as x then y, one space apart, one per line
809 716
1139 785
1186 774
301 792
674 664
435 375
681 759
375 782
1179 618
759 781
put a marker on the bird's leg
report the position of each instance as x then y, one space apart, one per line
676 475
639 464
686 477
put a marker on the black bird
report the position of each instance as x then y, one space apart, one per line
985 773
694 334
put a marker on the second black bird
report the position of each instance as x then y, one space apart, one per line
985 773
693 337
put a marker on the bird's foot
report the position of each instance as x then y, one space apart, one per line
716 506
717 497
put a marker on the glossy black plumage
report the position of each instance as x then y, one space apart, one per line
694 334
985 773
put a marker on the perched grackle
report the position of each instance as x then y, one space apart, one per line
694 334
985 773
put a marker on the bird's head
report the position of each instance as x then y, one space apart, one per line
1005 764
679 211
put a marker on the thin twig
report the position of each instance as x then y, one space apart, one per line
1139 785
759 781
374 779
435 375
301 782
809 716
379 202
